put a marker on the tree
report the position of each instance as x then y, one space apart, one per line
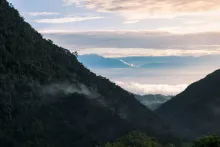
135 139
209 141
75 54
170 145
50 41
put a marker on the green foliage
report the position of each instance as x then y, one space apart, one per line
186 144
209 141
170 145
135 139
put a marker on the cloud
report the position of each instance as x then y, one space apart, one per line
67 88
131 52
137 43
66 19
194 26
131 65
167 81
131 22
42 13
143 9
143 89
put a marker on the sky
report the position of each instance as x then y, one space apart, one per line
175 16
136 29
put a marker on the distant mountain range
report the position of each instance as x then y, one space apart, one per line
153 101
96 61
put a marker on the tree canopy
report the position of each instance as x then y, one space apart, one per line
209 141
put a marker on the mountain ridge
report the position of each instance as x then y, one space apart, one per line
96 61
194 112
44 95
147 62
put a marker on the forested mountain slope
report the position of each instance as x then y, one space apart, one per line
48 98
195 112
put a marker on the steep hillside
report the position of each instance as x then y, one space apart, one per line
48 98
152 101
195 112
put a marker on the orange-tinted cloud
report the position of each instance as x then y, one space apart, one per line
142 9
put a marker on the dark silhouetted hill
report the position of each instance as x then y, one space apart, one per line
49 99
195 112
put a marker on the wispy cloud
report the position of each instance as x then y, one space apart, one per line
42 13
189 16
129 64
142 9
66 19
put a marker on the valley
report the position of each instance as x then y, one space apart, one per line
51 96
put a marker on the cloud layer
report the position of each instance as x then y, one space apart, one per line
65 19
142 9
138 43
143 89
42 13
130 52
167 81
